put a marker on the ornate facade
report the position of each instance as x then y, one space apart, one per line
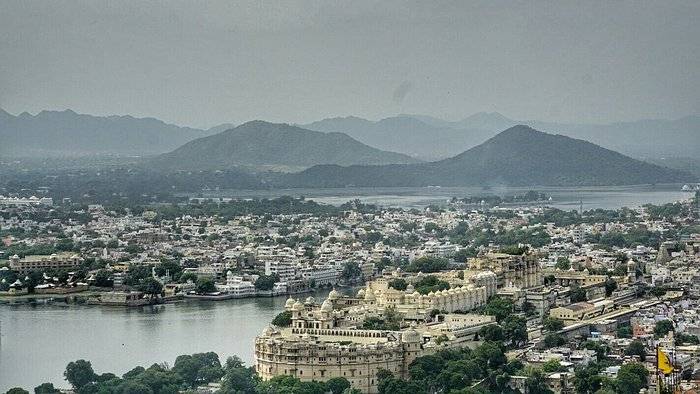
521 271
327 340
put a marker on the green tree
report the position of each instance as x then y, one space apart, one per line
337 385
587 378
351 271
577 294
553 340
631 378
133 387
79 373
498 307
535 383
198 368
492 333
237 378
552 366
636 348
266 282
283 319
45 388
103 278
610 286
563 263
515 329
428 264
431 283
624 332
658 291
205 285
398 284
151 287
552 324
188 276
682 338
17 390
662 328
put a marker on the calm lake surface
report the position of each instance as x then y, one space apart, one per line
36 342
419 197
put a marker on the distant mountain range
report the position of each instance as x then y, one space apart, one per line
431 138
66 133
518 156
274 146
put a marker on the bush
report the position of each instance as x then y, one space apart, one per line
205 285
428 265
283 319
398 284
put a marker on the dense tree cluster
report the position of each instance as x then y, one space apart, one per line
188 373
431 283
455 371
428 264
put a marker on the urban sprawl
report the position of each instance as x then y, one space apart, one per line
478 295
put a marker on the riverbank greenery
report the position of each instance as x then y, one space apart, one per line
187 374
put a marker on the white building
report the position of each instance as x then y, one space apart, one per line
321 275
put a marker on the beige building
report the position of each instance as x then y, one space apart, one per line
581 310
521 271
43 262
326 340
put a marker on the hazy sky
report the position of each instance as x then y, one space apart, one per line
200 63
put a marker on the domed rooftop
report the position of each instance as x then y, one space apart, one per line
269 331
361 293
297 306
290 303
410 335
333 295
327 306
310 300
369 295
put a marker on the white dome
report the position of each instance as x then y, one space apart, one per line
327 306
333 295
290 303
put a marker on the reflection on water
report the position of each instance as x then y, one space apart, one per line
38 340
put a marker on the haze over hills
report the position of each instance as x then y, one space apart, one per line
66 133
406 134
432 138
279 146
518 156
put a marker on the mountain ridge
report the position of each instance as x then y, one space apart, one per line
67 133
260 143
650 138
518 156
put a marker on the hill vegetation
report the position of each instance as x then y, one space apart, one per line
518 156
432 138
259 143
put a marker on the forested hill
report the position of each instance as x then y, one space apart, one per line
517 156
260 143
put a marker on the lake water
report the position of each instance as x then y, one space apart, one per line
37 341
606 197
